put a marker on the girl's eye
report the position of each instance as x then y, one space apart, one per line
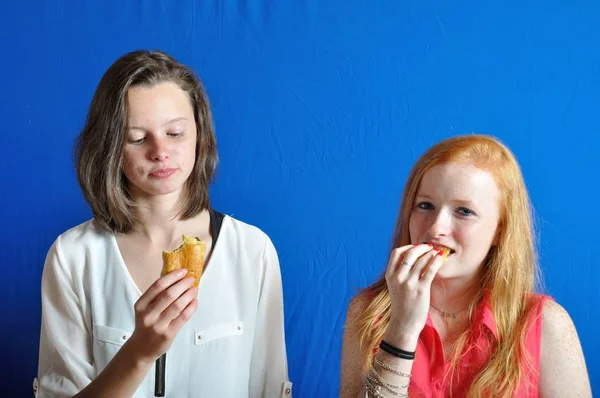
137 142
463 211
425 206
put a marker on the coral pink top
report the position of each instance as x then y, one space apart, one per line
430 366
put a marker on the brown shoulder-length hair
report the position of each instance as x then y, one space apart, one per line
510 271
99 146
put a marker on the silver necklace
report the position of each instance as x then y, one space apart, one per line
445 314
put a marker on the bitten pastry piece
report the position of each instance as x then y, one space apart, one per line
445 251
190 255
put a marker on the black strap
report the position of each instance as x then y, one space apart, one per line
216 220
159 376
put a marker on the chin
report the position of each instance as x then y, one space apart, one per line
443 275
447 273
165 187
158 191
167 191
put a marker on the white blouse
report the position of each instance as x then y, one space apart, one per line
233 346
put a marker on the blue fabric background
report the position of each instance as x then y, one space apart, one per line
321 107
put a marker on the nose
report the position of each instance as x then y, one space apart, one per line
159 150
441 224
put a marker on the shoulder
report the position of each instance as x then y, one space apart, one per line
85 233
352 329
557 325
73 247
243 230
354 352
356 308
562 365
247 238
558 334
249 243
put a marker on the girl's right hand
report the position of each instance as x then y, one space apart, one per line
409 274
160 313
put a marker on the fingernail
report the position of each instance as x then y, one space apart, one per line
183 271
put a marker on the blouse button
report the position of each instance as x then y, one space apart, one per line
287 391
124 337
438 385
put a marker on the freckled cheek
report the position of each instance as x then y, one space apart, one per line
483 235
468 235
476 241
416 226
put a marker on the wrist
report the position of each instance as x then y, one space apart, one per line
395 351
135 359
402 341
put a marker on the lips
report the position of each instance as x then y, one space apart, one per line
162 173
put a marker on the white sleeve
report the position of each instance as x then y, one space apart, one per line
65 362
269 370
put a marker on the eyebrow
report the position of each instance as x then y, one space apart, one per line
468 202
175 120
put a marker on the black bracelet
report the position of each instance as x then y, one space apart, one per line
395 351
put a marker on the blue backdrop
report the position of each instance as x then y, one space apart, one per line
320 107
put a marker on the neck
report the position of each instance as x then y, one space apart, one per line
453 296
159 218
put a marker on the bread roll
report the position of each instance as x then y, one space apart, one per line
190 255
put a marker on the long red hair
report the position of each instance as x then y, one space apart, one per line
510 267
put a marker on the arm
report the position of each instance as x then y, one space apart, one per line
268 368
352 378
562 366
121 377
352 383
66 361
409 275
